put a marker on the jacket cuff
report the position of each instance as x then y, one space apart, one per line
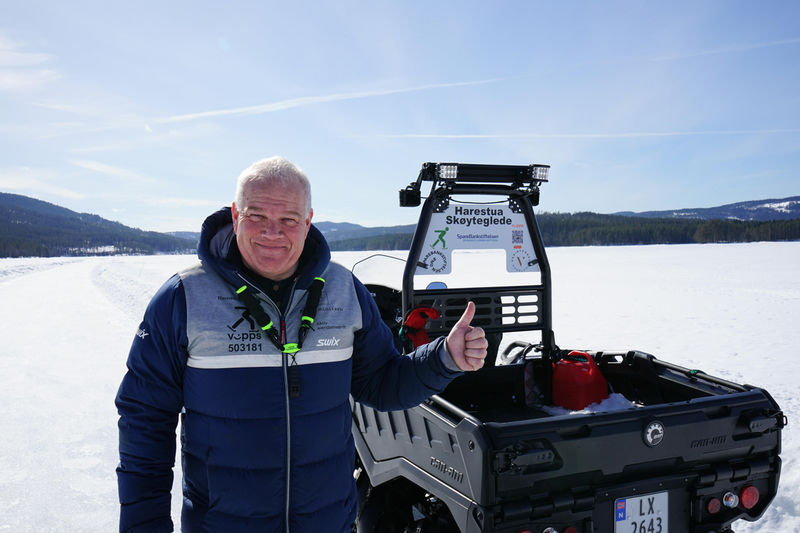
447 360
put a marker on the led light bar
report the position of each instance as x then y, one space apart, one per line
475 173
448 172
524 178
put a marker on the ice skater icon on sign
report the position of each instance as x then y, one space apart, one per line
620 510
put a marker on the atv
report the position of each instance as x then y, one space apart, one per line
544 439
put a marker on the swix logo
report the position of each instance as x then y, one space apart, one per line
333 341
141 333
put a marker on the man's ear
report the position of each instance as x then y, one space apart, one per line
310 215
234 216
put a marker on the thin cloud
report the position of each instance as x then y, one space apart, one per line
110 147
183 202
109 170
21 80
31 181
730 49
129 175
622 135
319 99
12 55
21 70
95 117
146 136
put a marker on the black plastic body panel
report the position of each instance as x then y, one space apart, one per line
501 463
514 473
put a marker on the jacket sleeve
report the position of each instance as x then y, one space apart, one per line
149 400
384 378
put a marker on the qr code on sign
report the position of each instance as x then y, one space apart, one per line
516 236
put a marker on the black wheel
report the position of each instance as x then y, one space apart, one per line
382 509
399 506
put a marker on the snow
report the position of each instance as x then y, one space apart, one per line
782 207
67 323
614 402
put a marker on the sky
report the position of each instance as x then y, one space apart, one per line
145 112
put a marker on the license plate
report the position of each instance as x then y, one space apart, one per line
642 514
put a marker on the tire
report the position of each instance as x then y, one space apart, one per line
390 508
382 509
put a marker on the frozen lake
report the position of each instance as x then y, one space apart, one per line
66 325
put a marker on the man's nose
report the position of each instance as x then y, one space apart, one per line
270 227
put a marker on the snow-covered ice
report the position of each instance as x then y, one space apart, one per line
66 325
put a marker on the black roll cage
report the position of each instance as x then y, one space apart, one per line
495 306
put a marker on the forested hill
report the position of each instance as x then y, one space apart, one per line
755 210
589 228
30 227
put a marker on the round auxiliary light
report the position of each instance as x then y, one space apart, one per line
570 529
730 499
549 530
749 497
713 506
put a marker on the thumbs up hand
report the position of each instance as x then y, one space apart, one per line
466 344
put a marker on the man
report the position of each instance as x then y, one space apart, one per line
259 348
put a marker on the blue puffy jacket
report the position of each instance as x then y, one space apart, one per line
254 457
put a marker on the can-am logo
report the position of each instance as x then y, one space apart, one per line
653 434
333 341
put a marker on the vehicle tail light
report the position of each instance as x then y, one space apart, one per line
570 529
713 506
749 497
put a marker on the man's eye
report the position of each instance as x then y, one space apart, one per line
290 221
255 218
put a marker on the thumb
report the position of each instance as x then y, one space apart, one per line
466 318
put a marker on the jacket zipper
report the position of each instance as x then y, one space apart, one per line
285 365
285 368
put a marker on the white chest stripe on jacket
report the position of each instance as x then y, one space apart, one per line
303 357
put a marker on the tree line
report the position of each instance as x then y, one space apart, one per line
44 235
30 227
591 229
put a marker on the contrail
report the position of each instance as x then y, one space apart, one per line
730 49
319 99
623 135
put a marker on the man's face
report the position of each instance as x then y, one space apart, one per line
271 228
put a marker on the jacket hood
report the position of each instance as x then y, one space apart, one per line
217 236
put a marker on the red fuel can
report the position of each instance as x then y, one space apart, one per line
577 382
